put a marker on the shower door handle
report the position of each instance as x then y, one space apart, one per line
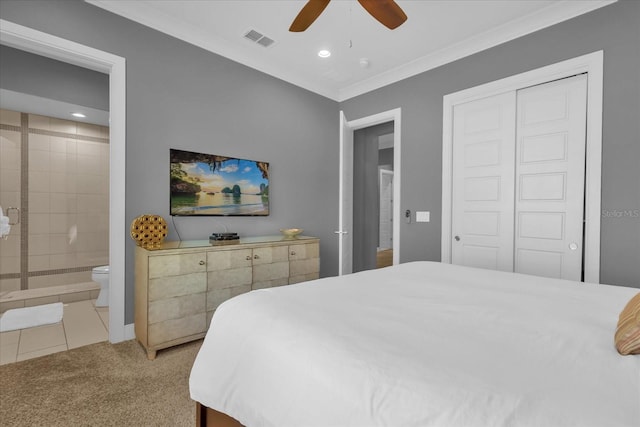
9 209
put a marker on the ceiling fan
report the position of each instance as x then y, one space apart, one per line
387 12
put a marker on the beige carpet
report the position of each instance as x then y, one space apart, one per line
100 385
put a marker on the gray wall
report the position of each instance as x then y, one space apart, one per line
614 29
385 157
181 96
25 72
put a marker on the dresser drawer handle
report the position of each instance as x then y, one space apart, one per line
201 262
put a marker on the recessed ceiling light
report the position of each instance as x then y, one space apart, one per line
79 115
324 53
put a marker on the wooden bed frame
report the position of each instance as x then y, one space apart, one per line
207 417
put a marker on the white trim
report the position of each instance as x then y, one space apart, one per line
395 116
141 12
341 189
129 331
44 44
557 11
592 64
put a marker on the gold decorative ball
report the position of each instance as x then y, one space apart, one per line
148 231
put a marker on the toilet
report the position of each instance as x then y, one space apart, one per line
101 275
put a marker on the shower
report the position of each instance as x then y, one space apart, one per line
54 187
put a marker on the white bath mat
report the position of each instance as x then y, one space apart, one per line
28 317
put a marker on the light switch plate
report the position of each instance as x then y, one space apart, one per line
423 216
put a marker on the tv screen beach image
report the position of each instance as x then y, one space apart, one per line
207 184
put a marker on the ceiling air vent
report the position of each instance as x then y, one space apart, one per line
259 38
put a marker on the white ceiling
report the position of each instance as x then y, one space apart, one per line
436 32
26 103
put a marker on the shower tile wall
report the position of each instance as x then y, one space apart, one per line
57 172
10 144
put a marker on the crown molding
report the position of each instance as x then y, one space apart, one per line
139 12
557 12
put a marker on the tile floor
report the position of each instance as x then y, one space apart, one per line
82 324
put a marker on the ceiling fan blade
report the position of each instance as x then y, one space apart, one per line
387 12
308 14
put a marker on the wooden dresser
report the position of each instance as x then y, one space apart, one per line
179 285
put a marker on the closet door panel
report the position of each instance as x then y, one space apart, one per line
550 167
483 182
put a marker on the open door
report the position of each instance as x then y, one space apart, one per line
345 239
345 221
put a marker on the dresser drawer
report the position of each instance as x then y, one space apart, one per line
174 329
304 266
175 308
177 264
217 296
269 272
173 286
304 251
229 278
229 259
269 255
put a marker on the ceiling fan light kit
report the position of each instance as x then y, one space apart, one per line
387 12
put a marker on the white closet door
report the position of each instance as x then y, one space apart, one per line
483 182
550 167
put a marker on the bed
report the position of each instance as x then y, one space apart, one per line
419 344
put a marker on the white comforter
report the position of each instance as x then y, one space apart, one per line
421 344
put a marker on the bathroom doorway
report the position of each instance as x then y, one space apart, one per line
54 186
44 44
54 177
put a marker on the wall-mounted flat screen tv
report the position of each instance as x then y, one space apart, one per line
213 185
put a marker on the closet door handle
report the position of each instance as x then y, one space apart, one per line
457 238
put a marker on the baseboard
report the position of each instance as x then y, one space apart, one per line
129 332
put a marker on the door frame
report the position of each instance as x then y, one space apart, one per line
394 116
592 65
40 43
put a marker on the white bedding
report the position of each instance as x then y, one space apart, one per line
421 344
